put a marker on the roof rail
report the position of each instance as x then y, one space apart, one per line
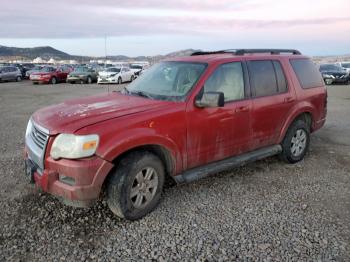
248 51
271 51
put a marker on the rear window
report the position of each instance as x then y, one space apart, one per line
307 73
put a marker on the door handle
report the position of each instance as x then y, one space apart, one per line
242 109
289 99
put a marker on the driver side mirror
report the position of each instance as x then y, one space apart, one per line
210 99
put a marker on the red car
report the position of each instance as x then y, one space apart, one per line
50 75
185 119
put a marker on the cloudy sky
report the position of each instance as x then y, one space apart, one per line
141 27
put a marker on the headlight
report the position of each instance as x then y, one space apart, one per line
74 147
113 75
328 76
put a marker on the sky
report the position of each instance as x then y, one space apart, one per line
140 27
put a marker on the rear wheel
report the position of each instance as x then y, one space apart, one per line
119 80
18 79
132 78
135 187
296 142
53 81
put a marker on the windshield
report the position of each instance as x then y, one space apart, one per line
113 69
47 69
330 68
81 69
136 67
345 65
168 80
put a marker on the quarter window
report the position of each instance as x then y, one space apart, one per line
307 73
227 78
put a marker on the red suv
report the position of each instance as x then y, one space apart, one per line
50 75
184 118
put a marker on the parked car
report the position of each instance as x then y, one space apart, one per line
10 73
50 75
21 69
35 69
334 72
82 75
345 66
137 69
115 75
184 119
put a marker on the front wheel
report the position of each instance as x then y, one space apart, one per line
296 142
132 78
89 80
18 79
135 187
119 81
53 81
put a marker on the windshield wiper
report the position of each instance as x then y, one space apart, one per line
141 93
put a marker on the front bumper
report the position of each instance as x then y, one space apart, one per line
88 176
41 80
106 80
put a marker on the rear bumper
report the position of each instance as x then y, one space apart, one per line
87 175
318 124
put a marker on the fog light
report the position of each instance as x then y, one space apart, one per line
67 180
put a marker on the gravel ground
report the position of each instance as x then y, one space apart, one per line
267 211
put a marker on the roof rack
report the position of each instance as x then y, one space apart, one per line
249 51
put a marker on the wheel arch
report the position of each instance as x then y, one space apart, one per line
160 151
306 114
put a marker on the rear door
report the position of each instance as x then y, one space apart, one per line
5 73
272 100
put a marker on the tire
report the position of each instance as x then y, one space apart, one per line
18 79
120 81
130 178
89 80
132 78
296 142
53 81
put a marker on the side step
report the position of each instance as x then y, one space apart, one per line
228 163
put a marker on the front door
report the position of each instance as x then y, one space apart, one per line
218 133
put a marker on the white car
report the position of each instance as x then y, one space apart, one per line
115 75
138 68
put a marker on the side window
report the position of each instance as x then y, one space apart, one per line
227 78
262 78
307 73
281 79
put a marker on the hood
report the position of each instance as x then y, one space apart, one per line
334 72
107 74
70 116
41 73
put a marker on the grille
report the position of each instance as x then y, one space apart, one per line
39 137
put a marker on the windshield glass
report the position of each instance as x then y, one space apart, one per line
113 69
81 69
136 67
345 65
330 68
168 80
47 69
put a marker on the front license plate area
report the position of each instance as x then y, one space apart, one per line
29 169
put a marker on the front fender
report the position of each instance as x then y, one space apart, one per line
127 140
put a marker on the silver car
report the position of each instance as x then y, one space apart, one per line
10 73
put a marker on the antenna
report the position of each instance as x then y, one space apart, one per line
105 50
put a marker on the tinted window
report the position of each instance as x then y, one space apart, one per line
307 73
227 78
281 79
263 78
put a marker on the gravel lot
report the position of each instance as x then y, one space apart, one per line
265 211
